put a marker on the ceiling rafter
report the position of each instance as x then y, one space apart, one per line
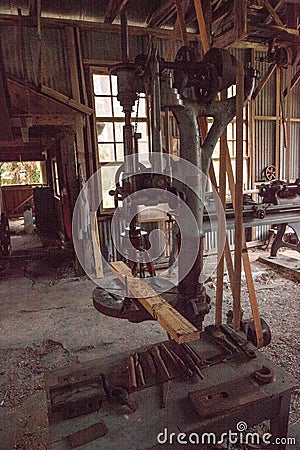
113 10
162 14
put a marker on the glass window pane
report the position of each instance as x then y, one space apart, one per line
106 152
120 152
119 131
108 183
101 84
105 132
142 108
118 109
143 129
114 85
103 107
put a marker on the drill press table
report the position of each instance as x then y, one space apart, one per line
228 388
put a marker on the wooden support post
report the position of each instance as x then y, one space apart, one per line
88 128
240 19
246 261
177 326
277 124
222 195
238 202
288 125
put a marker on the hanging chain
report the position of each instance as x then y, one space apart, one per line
137 113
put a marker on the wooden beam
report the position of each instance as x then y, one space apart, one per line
66 100
288 124
30 120
161 14
264 80
238 201
222 195
177 326
113 10
273 13
18 143
201 25
181 21
277 123
294 81
245 257
240 19
5 126
72 63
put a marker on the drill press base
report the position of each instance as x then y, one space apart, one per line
227 395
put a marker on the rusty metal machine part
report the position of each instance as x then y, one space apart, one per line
217 71
264 375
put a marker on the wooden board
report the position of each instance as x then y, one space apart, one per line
226 397
178 327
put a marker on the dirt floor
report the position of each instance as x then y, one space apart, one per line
48 321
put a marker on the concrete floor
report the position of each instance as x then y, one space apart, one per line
48 321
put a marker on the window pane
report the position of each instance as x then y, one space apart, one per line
143 129
106 152
108 183
120 152
142 108
118 109
119 131
114 85
103 107
101 84
105 132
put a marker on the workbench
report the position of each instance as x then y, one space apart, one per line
228 394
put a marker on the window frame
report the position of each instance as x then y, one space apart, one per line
104 70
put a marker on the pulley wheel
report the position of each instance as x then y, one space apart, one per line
269 173
251 334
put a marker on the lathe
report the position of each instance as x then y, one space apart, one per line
199 381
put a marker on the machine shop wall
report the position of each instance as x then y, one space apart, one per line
20 53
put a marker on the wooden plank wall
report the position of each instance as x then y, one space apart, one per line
15 197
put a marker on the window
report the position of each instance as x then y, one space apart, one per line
109 130
55 178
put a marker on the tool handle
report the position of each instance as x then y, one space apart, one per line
181 363
160 362
132 375
150 362
139 371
